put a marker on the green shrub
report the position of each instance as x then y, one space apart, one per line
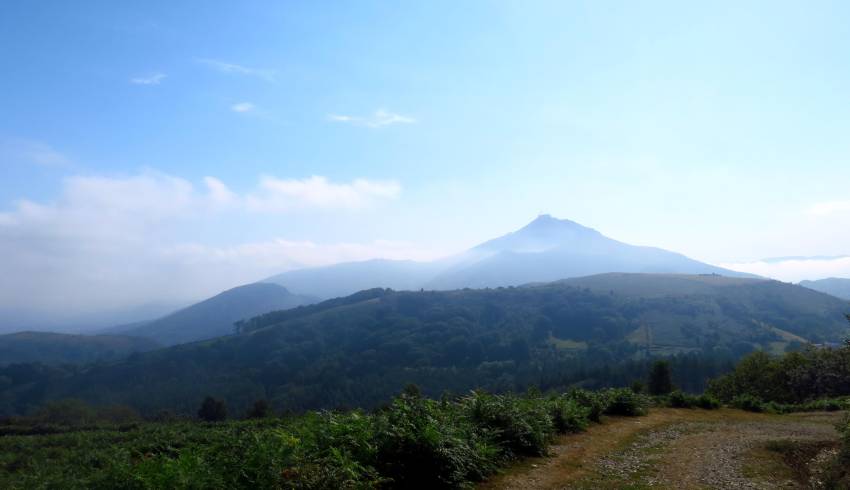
748 403
212 410
623 401
522 426
677 399
707 402
420 446
567 415
414 443
595 402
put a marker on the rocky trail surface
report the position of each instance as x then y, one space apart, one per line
684 449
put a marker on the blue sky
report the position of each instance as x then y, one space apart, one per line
250 137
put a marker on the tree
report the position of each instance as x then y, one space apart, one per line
660 380
212 410
260 410
638 386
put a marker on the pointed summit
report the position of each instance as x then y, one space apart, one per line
544 233
545 249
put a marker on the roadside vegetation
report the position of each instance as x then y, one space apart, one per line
413 442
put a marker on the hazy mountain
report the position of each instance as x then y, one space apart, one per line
549 249
349 277
215 316
546 249
19 320
836 286
361 349
58 348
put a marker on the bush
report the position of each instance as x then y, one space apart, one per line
660 379
677 399
414 443
419 446
748 403
520 425
623 401
595 402
567 415
212 410
707 402
261 409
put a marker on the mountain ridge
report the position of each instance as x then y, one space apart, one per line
359 350
544 250
215 316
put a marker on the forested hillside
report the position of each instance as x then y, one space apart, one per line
835 286
215 316
359 350
57 348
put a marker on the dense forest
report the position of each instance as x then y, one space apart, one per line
59 348
360 350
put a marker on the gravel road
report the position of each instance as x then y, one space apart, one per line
684 449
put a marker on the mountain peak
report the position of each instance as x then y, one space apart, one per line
547 221
544 233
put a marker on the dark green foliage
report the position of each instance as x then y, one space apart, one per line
623 401
361 350
568 415
638 386
660 379
59 348
677 399
421 446
415 442
260 410
707 402
523 426
793 378
749 403
594 402
212 410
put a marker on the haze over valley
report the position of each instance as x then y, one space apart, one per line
369 245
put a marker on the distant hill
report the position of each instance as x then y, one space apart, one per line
359 350
58 348
215 316
349 277
835 286
546 249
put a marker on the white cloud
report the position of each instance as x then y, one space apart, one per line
233 68
219 193
283 194
107 243
379 119
243 107
34 152
829 207
795 269
154 79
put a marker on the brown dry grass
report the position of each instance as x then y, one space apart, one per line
671 448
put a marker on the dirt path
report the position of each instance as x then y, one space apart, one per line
685 449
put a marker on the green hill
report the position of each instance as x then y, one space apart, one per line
359 350
58 348
214 317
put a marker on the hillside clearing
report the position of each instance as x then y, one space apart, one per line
675 448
